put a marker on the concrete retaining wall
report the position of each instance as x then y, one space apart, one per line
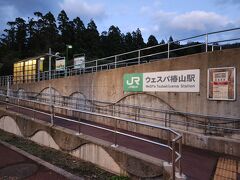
108 85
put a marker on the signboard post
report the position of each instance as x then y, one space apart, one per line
60 63
165 81
222 83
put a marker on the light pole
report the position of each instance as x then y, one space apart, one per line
50 55
49 63
39 62
66 60
67 47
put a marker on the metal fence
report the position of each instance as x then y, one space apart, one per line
174 139
207 124
201 43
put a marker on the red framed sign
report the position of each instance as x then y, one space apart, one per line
222 83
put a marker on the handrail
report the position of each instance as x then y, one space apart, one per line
99 114
205 122
216 117
177 122
176 156
121 59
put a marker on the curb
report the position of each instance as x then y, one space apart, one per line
42 162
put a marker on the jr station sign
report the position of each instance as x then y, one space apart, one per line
164 81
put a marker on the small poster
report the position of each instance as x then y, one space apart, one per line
79 62
221 83
60 64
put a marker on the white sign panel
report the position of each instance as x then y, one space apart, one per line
165 81
60 64
172 81
79 62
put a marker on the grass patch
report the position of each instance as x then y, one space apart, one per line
60 159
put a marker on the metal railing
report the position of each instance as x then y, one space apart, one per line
208 124
173 137
203 43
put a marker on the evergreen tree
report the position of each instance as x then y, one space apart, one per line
30 35
21 36
152 41
104 44
50 30
92 40
162 42
9 39
63 22
37 38
79 31
26 39
170 39
138 42
115 40
128 42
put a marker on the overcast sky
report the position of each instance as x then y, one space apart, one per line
162 18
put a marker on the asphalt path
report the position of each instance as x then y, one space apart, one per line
197 164
14 165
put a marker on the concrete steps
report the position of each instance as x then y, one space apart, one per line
227 169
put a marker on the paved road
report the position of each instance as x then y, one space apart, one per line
14 165
197 164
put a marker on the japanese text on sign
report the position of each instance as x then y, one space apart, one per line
222 83
166 81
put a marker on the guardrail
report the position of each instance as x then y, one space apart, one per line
209 124
203 43
176 156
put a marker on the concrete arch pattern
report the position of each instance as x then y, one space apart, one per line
22 94
8 124
97 155
143 100
78 100
44 95
159 117
86 149
45 139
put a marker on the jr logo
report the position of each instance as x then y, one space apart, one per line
133 82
